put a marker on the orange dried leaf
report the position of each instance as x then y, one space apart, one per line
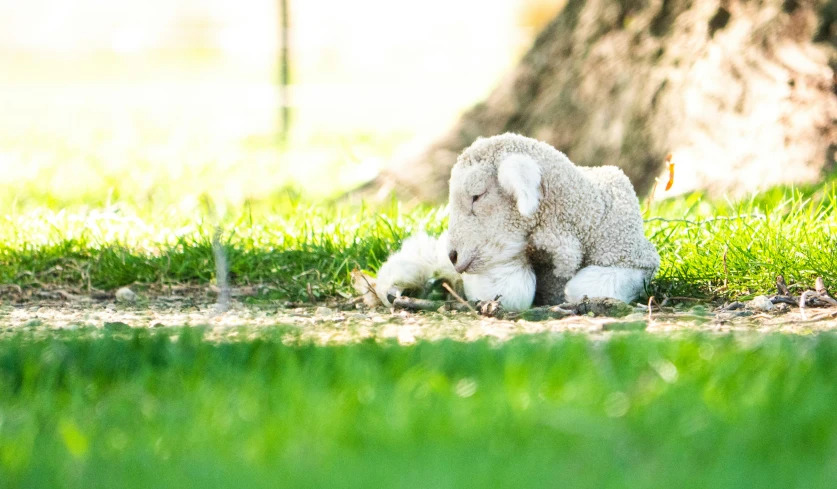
670 171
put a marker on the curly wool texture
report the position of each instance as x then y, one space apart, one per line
420 258
583 217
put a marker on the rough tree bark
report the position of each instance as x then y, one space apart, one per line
741 92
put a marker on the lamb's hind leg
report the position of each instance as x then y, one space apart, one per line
624 284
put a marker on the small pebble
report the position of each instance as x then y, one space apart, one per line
126 295
733 306
761 303
323 311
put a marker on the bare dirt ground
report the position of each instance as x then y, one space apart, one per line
350 322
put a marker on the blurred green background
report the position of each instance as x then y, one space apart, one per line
158 102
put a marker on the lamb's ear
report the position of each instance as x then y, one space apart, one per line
520 176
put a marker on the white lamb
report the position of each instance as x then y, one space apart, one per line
528 225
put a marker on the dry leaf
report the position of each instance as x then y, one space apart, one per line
670 163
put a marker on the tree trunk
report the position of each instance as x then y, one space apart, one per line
738 90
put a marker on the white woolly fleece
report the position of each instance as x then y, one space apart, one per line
571 218
513 282
420 258
624 284
423 257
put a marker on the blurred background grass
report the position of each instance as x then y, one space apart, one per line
155 103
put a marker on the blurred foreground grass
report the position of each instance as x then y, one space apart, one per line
289 243
169 408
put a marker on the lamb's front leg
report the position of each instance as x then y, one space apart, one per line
512 282
420 258
556 257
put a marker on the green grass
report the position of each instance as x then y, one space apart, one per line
746 244
108 249
288 245
170 409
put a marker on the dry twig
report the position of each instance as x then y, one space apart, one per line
310 291
457 297
410 304
781 286
802 299
823 292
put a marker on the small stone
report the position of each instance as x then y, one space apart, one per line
125 294
761 303
733 306
323 311
599 306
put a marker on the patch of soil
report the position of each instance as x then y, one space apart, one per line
350 321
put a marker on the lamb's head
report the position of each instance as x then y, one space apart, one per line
493 202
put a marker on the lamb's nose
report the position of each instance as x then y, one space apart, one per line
452 256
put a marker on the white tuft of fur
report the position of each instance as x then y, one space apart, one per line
420 258
624 284
513 281
520 176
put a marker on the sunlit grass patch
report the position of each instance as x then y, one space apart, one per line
709 248
738 249
298 246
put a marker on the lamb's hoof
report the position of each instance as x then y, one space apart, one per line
492 309
393 293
